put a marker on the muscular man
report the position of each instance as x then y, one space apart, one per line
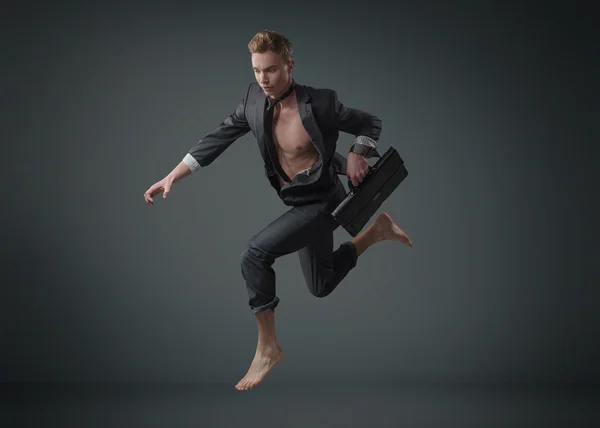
296 127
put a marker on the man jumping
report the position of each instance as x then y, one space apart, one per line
297 128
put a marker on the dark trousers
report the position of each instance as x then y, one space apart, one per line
307 230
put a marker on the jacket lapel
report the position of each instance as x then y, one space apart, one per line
259 105
304 101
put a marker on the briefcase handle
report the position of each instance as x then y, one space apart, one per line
351 186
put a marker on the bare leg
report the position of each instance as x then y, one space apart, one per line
383 228
268 352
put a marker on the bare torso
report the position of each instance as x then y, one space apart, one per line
295 150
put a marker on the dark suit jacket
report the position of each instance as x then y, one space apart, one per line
323 116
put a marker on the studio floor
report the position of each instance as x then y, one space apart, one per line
290 405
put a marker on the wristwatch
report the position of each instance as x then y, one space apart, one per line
360 149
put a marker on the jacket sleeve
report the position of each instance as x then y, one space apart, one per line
210 146
364 126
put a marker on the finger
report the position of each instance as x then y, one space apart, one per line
151 191
166 191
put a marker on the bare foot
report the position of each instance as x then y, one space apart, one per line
264 360
388 230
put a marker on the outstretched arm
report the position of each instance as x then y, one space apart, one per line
364 126
209 147
204 151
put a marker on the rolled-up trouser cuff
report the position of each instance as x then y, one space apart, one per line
271 305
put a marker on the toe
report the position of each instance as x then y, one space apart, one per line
240 384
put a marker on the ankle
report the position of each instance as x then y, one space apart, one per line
267 348
367 238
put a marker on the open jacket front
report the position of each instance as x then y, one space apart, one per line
322 115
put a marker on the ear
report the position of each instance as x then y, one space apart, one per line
291 65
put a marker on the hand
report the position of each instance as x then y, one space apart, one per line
356 168
163 185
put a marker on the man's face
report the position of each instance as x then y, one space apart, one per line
271 72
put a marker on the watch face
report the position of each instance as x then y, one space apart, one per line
359 149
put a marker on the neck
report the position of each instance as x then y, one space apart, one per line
287 90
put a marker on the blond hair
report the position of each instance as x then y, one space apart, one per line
268 40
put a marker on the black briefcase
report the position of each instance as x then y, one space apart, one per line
363 201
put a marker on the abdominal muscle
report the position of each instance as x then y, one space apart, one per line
294 162
295 149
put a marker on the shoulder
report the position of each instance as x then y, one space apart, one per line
319 92
320 95
253 89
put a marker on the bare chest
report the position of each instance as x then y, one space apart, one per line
289 134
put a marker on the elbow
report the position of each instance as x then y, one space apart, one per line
376 126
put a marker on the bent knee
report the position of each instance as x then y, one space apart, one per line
321 289
320 294
253 253
248 255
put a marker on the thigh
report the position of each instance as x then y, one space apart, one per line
317 256
294 230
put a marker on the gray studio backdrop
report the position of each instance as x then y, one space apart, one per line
105 100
